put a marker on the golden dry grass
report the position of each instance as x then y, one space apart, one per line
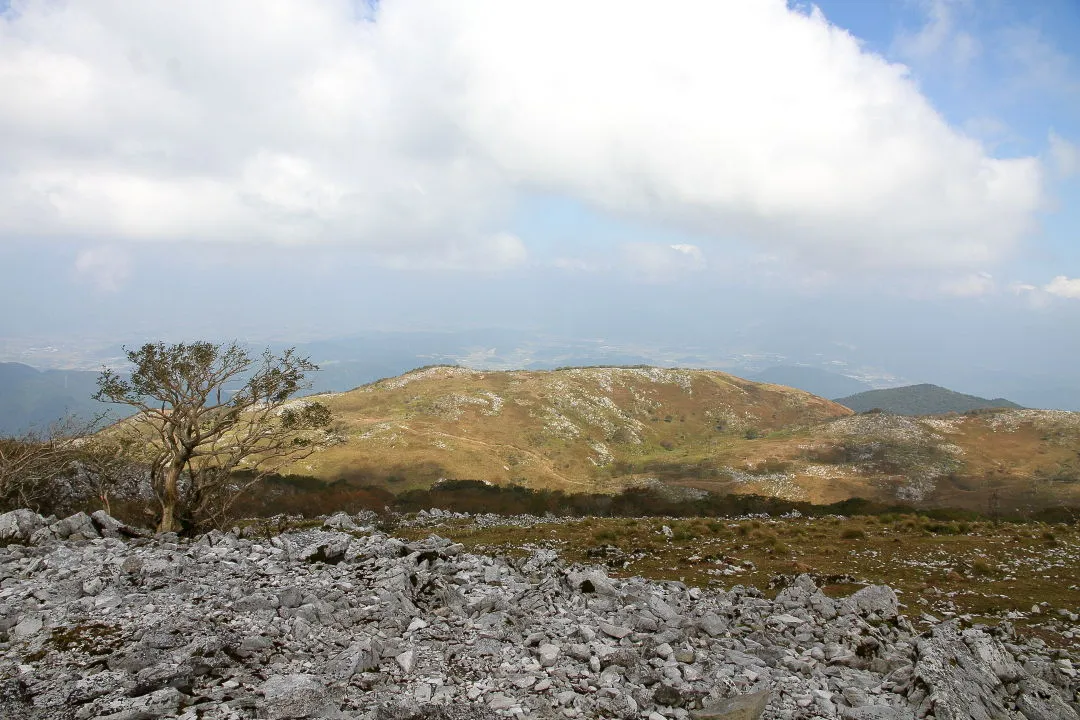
602 429
983 569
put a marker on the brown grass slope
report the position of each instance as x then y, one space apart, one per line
576 429
603 429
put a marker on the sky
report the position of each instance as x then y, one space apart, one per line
890 184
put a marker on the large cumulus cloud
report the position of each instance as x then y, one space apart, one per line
409 130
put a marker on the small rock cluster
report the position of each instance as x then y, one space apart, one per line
436 517
99 622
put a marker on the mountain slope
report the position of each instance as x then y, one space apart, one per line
586 428
604 429
812 380
921 400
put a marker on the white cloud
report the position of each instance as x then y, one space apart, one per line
1064 287
940 37
973 285
1064 155
693 253
575 264
289 121
1036 64
662 263
107 267
500 251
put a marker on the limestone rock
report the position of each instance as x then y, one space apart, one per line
322 623
293 696
879 600
20 525
740 707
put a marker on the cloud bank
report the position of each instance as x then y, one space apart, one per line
411 133
1064 287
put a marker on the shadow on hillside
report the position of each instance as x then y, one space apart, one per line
297 495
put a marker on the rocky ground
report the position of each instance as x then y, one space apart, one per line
340 621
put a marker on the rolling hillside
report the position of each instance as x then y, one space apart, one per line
579 428
603 429
921 400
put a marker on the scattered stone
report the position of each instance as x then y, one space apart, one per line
292 696
20 525
741 707
406 660
616 631
548 654
330 622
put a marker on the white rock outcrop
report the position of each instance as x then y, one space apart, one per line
323 623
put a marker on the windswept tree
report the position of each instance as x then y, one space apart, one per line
205 412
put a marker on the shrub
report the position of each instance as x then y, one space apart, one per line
770 541
604 536
852 534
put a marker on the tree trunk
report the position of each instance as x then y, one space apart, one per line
168 501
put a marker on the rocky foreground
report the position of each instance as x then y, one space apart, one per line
98 621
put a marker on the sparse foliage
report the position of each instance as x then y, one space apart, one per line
105 471
205 411
36 468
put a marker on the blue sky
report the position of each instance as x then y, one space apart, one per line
886 186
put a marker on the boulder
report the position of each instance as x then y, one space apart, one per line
741 707
300 695
110 527
876 600
19 525
74 527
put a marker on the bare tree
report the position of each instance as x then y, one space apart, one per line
106 470
198 435
36 467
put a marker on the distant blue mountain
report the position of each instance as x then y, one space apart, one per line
921 400
32 400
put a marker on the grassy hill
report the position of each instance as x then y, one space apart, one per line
921 400
604 429
581 428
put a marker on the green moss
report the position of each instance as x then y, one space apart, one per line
93 639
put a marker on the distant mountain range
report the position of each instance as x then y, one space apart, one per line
924 399
32 399
605 428
921 400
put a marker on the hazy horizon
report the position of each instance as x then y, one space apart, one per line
885 188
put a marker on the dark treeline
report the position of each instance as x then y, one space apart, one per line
299 495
